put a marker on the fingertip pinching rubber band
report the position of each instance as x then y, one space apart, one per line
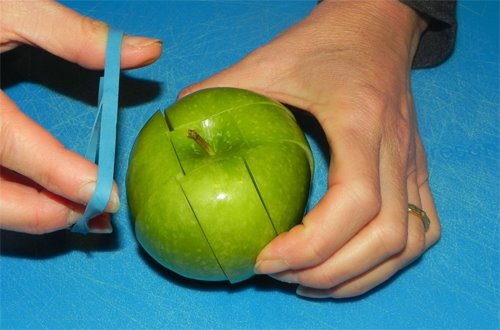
102 145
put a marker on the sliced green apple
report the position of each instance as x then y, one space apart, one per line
216 180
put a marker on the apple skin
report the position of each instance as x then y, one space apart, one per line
206 216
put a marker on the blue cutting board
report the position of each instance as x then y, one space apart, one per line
63 280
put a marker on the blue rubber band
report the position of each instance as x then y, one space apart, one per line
102 145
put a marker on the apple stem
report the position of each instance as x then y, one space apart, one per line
201 141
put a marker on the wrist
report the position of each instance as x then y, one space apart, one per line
380 23
396 15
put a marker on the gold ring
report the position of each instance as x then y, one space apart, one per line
415 210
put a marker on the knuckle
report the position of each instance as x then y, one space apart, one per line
374 100
318 278
389 114
435 234
39 216
402 131
350 289
47 178
437 231
364 111
416 244
38 219
317 247
392 239
90 27
366 194
91 33
310 246
316 251
7 136
422 176
46 217
372 104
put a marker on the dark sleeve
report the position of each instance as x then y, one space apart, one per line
438 41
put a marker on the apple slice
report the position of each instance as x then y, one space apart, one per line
230 213
158 204
143 171
280 175
180 246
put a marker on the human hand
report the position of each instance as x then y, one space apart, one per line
348 64
43 186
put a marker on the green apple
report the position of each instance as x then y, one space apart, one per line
215 179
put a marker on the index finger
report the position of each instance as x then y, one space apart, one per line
67 34
30 150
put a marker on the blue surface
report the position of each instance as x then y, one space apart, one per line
63 280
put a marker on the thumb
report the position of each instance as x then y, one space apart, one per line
248 73
226 78
67 34
262 72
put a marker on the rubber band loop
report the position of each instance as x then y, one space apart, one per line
102 145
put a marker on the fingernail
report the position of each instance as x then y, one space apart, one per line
301 291
271 266
73 217
311 293
185 92
114 202
87 190
287 277
140 42
100 225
